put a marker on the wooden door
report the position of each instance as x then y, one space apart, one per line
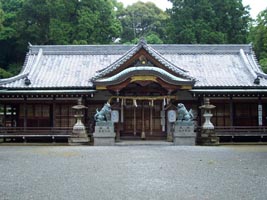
145 118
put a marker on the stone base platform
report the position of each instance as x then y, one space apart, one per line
184 135
184 141
78 140
143 143
104 134
208 137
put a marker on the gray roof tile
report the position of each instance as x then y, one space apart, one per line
72 66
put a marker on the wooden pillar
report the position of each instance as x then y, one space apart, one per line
231 111
4 121
200 101
118 136
121 120
151 119
53 114
86 119
25 113
12 115
260 120
143 135
134 121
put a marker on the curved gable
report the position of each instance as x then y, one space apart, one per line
141 64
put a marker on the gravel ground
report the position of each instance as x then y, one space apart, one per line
133 172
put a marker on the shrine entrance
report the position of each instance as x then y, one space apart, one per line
142 111
144 120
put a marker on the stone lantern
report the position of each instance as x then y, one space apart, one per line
207 134
79 134
207 107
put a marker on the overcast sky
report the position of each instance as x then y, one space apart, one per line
255 5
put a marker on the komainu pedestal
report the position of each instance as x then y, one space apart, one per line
104 134
184 134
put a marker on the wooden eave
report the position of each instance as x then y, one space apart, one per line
143 75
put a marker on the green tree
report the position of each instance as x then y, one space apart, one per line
232 19
153 39
33 22
97 22
54 22
208 21
8 34
258 35
1 17
141 20
8 17
4 73
68 22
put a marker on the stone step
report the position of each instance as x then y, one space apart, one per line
143 143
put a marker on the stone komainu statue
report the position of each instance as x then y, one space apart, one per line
183 114
104 114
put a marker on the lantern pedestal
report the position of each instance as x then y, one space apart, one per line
208 138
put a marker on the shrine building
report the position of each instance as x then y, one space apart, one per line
142 82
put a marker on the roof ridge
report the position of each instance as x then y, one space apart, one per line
118 62
247 63
122 48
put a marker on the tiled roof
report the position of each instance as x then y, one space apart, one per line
73 66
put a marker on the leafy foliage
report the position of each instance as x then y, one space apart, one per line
54 22
68 22
153 39
143 20
258 36
4 73
208 21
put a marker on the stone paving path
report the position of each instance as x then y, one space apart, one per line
133 172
